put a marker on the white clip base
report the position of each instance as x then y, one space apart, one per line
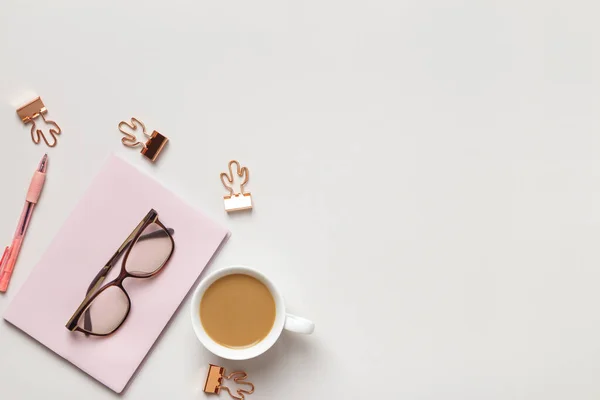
238 202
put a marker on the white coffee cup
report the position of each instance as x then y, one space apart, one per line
282 319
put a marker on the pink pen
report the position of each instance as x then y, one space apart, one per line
9 258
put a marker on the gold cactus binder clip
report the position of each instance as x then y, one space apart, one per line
29 112
236 201
152 148
214 382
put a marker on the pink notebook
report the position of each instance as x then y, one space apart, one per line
118 199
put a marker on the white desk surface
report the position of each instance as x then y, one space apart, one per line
426 176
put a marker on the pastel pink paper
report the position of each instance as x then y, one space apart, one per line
119 197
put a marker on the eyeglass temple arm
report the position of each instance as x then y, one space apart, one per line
99 278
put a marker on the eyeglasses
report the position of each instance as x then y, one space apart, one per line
147 250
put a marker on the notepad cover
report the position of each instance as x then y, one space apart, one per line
117 200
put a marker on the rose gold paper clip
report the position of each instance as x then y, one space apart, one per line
29 112
214 382
236 201
152 148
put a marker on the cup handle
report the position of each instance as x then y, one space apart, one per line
297 324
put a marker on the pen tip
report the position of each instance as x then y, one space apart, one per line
42 167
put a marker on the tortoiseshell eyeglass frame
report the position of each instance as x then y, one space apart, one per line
125 248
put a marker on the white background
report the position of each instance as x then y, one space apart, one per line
426 178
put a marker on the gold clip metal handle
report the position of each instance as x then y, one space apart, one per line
241 171
239 378
130 140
